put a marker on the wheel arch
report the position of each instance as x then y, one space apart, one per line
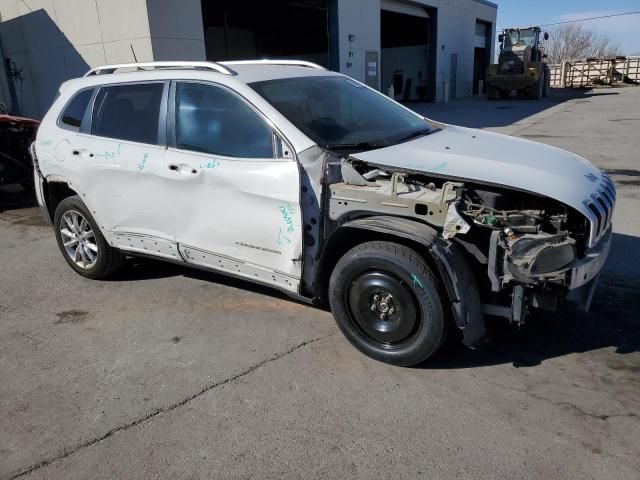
447 260
54 191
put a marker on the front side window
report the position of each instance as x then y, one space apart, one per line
74 113
128 112
338 113
212 120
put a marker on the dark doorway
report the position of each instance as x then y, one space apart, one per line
480 63
453 77
481 57
408 55
241 29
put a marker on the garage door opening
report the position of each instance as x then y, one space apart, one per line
242 30
407 46
481 58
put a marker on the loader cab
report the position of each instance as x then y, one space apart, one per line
521 38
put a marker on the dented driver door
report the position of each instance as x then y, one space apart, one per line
235 198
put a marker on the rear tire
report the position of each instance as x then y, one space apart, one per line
386 302
493 93
547 84
81 243
537 90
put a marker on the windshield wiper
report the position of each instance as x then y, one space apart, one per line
359 145
416 134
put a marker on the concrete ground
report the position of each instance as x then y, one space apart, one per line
166 372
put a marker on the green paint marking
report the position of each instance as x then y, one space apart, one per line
440 167
282 239
287 211
211 164
45 143
416 281
142 164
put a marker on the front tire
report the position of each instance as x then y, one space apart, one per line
537 89
547 83
81 243
386 302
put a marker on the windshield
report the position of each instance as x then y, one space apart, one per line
525 37
339 113
528 38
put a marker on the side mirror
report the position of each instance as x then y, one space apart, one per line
546 35
500 38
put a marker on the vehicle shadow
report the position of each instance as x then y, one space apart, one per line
614 321
14 197
478 112
143 268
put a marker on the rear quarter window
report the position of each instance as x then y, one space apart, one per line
128 112
74 111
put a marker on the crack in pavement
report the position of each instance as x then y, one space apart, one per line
159 411
579 410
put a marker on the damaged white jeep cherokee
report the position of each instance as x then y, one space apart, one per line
286 174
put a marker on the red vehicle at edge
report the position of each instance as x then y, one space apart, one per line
16 134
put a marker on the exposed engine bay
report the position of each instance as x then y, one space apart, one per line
524 245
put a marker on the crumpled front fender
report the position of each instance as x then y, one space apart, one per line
453 267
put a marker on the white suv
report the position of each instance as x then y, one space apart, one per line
286 174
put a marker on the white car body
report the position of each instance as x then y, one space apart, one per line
247 217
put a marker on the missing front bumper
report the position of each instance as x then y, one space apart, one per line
584 274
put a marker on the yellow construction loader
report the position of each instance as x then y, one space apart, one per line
521 65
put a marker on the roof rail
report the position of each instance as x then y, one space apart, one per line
293 63
216 67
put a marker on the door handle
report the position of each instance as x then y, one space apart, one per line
183 169
82 153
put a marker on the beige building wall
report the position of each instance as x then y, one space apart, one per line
176 30
51 41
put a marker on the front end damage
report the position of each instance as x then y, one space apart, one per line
522 251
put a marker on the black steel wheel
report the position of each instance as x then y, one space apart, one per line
385 300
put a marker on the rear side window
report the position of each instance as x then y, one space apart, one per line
212 120
74 113
128 112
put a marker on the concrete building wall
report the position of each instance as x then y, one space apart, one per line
360 18
5 92
176 30
455 35
51 41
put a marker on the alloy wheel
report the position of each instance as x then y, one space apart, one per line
79 239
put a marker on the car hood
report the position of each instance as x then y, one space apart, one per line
491 158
